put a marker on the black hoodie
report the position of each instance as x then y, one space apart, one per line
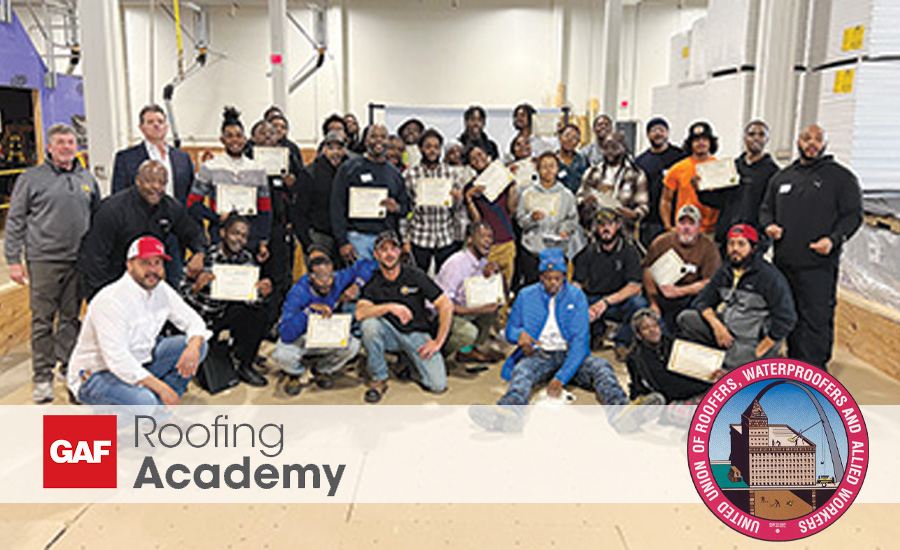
740 204
314 199
821 199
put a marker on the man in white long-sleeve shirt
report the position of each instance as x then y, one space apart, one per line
120 357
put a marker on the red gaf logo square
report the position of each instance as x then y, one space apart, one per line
79 452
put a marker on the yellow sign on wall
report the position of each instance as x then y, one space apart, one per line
685 51
853 38
843 81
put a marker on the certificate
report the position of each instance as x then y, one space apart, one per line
481 291
274 160
525 172
495 179
328 332
235 198
365 202
668 269
695 360
548 203
434 192
236 283
717 174
545 124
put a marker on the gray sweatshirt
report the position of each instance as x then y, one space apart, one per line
537 236
49 212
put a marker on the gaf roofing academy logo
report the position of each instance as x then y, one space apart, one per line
79 452
778 450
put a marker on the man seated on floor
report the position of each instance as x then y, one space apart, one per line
471 326
549 322
245 321
701 259
609 273
747 307
320 292
120 357
394 317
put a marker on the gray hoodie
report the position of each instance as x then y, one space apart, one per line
49 212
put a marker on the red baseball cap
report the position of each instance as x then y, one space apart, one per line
744 230
147 247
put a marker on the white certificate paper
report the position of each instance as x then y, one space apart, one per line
548 203
274 160
668 269
328 332
525 172
695 360
365 202
495 179
236 283
236 198
434 192
545 124
481 291
717 174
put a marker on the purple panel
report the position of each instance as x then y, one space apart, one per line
21 67
63 102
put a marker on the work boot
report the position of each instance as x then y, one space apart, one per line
292 385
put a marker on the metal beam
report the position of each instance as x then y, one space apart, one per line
612 46
278 52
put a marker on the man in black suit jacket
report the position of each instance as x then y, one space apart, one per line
154 127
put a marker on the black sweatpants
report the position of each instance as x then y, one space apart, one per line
247 325
815 296
423 256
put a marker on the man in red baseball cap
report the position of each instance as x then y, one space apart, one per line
747 307
120 358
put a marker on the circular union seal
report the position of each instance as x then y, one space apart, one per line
778 449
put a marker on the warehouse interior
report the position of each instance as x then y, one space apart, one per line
93 64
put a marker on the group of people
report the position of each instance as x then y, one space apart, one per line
572 240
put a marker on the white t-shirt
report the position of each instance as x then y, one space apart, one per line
551 338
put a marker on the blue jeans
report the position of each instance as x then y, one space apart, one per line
379 336
594 374
295 357
364 244
620 313
105 388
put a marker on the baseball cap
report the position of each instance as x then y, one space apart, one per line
657 121
553 259
690 211
743 230
607 214
334 137
700 129
147 247
386 236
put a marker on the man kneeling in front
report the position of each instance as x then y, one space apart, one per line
120 357
550 323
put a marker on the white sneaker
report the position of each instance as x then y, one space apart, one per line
43 392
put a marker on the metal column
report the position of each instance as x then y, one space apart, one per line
612 47
278 51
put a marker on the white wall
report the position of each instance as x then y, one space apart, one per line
409 52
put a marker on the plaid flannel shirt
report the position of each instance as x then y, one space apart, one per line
209 308
433 226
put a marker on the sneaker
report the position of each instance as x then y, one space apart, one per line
496 418
42 393
251 376
375 392
633 415
324 381
292 385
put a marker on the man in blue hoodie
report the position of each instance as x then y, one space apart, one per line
549 322
319 292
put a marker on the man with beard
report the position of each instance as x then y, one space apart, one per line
616 182
320 292
658 158
410 133
681 180
603 128
810 210
433 231
394 318
746 308
523 119
277 119
549 324
246 322
471 325
356 236
474 135
142 209
313 212
120 358
755 167
701 259
609 273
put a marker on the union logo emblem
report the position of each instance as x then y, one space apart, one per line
778 449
